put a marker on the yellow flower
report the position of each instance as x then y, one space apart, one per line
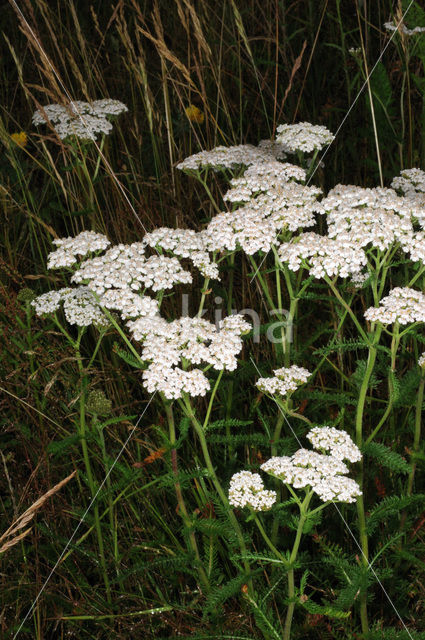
194 114
20 138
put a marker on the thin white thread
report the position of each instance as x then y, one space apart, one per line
92 501
343 519
68 95
343 121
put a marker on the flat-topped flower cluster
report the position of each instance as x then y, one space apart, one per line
403 305
304 137
85 120
284 381
171 347
247 490
118 280
324 473
390 26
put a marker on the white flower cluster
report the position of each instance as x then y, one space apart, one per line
256 225
390 26
376 217
85 120
358 279
334 441
231 158
129 303
173 381
421 360
69 248
259 178
403 305
284 381
168 345
243 228
325 474
323 255
79 305
303 136
411 183
184 243
126 266
247 490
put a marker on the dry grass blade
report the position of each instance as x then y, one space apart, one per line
15 540
295 68
28 515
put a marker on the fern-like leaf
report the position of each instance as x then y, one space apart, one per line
386 457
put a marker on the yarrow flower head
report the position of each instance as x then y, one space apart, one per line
322 255
85 120
285 380
72 247
184 243
403 305
233 158
195 341
324 474
334 441
369 218
247 490
256 225
126 266
390 26
79 304
303 136
262 177
411 183
421 360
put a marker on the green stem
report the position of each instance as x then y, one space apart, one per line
182 505
210 404
391 392
268 542
346 307
262 282
203 296
359 441
112 522
278 483
86 457
417 436
292 559
188 410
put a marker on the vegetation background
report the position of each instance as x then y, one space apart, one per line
247 66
